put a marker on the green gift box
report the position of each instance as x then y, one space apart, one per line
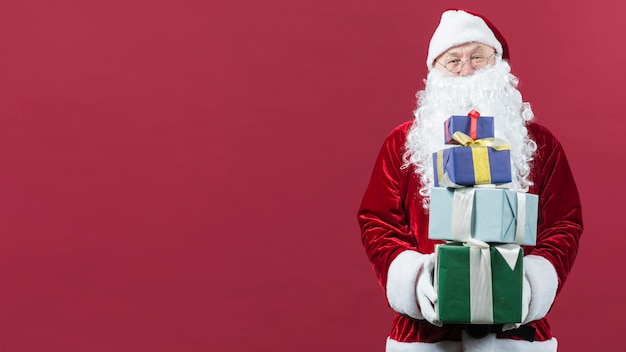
479 284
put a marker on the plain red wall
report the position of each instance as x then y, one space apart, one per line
185 175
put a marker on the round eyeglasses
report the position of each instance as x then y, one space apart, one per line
477 61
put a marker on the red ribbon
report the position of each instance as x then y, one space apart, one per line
473 122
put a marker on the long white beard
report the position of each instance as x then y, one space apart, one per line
491 91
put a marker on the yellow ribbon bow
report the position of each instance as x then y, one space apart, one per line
495 143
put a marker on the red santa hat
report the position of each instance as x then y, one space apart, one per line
459 26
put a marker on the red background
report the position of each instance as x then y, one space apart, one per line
185 175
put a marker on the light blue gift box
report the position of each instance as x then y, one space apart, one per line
489 215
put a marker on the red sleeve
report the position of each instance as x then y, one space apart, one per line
560 223
384 230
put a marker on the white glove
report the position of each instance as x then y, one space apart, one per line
425 291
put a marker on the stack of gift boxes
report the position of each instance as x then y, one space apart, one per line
479 269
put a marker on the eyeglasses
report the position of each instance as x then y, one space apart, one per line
477 61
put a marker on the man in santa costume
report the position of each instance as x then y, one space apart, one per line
468 70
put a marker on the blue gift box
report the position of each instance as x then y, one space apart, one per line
487 214
468 166
484 127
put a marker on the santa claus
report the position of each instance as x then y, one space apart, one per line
468 70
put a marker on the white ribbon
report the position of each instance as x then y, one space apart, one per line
481 288
520 218
509 252
462 207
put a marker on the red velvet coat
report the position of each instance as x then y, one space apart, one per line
393 220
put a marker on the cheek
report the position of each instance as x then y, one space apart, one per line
443 70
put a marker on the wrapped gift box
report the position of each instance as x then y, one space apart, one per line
483 127
487 214
479 285
468 166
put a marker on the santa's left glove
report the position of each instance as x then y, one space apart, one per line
410 288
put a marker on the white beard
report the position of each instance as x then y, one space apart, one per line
491 91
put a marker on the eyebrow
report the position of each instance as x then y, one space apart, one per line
474 49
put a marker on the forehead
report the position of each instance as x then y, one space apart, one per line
467 48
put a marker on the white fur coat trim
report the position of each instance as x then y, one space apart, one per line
543 282
489 343
402 281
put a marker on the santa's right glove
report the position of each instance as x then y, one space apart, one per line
410 288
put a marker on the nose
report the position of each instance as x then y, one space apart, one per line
466 70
